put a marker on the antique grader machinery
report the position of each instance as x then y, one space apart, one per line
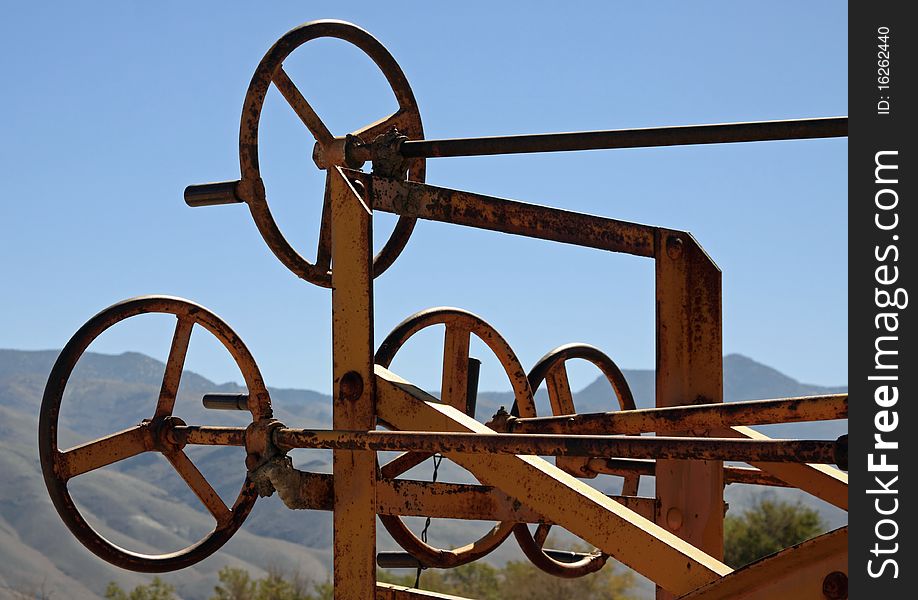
674 538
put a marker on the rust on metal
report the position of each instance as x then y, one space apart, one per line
579 508
683 135
659 447
795 572
58 466
820 480
675 539
459 325
302 490
330 151
624 467
407 198
552 370
354 404
690 417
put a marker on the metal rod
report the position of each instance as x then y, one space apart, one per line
686 418
745 450
212 194
226 401
809 451
756 131
628 466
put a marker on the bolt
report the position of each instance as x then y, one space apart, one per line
674 247
351 386
835 586
501 421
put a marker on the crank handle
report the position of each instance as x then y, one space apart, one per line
212 194
226 401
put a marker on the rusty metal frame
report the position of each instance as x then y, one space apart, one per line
354 404
675 539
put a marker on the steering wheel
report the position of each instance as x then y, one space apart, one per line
329 151
551 369
460 325
151 435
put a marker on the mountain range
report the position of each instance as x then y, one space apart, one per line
143 505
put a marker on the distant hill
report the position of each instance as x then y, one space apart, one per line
143 505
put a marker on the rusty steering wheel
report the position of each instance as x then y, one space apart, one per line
551 369
329 150
460 325
154 434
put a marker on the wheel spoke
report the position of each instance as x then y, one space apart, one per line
399 120
559 390
105 451
174 366
323 253
455 382
402 463
541 534
203 490
302 108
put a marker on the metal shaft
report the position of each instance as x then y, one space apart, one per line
757 131
798 451
688 418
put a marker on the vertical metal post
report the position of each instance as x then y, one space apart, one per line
689 370
354 389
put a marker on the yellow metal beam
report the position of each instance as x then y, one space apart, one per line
823 481
689 371
354 390
796 573
389 591
634 540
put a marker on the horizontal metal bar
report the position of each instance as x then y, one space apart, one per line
756 131
697 417
797 451
741 450
302 490
410 199
628 466
207 436
744 450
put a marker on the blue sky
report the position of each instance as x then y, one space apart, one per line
111 109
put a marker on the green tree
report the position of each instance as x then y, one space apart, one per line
519 580
523 581
325 591
275 587
237 584
476 580
155 590
768 526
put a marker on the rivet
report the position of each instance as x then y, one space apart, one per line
351 386
674 519
835 586
674 247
